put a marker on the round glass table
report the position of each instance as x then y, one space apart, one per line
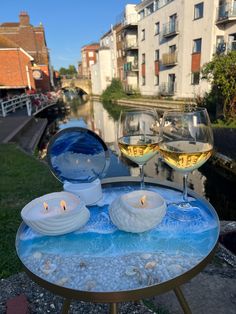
100 263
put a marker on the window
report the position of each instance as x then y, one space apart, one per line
157 55
150 9
172 49
198 10
172 23
119 37
91 62
141 14
143 34
156 80
90 54
197 45
157 28
195 78
143 80
143 58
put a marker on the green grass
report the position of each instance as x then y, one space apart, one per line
231 123
22 178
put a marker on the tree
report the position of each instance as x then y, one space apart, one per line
70 71
221 72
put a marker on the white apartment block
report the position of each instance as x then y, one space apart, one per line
105 68
176 38
130 47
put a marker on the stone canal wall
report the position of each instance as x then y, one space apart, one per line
159 104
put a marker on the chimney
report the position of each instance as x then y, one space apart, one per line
24 18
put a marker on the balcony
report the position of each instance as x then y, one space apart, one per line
232 46
169 59
226 13
170 29
167 89
131 20
131 66
224 47
130 44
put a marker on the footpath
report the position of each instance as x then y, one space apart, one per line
19 128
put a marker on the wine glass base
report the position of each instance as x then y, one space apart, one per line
183 212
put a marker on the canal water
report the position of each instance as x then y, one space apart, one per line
210 182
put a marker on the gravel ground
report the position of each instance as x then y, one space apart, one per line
212 291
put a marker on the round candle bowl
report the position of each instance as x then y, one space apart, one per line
129 214
46 215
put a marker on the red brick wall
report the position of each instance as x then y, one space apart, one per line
196 62
13 68
44 84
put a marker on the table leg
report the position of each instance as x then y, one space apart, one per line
182 301
113 308
65 306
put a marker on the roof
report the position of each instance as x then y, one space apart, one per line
7 43
9 24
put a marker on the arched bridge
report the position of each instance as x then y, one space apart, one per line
82 83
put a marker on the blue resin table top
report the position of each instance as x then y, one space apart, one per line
101 258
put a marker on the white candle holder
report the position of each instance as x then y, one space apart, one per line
137 211
55 213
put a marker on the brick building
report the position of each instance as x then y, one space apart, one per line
88 54
24 39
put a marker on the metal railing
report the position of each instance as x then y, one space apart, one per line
130 19
224 47
130 44
169 59
170 29
33 103
167 89
225 11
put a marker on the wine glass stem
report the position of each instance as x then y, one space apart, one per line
141 177
185 187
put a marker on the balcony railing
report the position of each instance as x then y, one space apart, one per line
226 12
130 44
167 89
170 29
131 19
224 47
131 66
169 59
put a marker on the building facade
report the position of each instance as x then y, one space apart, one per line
130 76
176 38
106 67
32 40
89 57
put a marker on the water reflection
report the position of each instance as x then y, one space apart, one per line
217 189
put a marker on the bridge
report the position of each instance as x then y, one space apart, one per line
81 83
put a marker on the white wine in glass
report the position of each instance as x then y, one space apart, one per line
138 136
186 144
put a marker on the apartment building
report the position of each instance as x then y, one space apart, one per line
176 38
129 35
89 57
105 68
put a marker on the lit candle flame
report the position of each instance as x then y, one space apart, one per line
143 200
45 205
63 204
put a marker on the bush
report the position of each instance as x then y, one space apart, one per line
114 91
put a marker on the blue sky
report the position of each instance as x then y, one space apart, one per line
69 24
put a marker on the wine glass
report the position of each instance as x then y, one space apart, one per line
138 136
186 144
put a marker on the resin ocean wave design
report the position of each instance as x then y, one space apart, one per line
99 257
